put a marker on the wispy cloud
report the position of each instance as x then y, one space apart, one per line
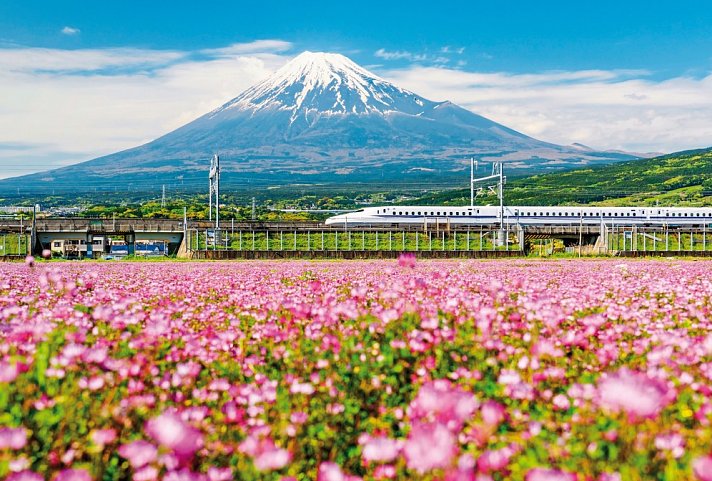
70 31
620 109
258 46
63 106
399 55
444 55
449 49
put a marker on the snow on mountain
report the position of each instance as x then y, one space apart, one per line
329 84
322 118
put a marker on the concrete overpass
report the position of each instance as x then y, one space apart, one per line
196 236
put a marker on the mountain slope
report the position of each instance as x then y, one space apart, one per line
320 118
682 178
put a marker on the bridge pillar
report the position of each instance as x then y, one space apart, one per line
131 243
90 245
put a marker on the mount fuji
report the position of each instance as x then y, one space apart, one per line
321 118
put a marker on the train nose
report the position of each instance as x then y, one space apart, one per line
337 219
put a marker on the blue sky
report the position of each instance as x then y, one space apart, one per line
622 75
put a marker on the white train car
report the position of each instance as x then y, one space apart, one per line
524 215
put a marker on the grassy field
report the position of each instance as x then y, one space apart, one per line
681 179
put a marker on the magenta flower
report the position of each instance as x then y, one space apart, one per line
184 475
541 474
171 431
25 475
634 393
73 475
13 438
702 467
429 446
138 453
407 260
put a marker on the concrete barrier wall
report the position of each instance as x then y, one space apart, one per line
664 254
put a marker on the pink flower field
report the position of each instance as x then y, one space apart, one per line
444 370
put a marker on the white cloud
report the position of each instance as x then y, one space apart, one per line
400 55
606 109
70 31
62 106
258 46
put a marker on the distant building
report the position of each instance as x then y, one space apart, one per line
19 209
77 248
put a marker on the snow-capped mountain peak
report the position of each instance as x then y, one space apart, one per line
318 83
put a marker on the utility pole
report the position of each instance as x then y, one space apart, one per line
214 178
254 214
163 196
497 173
472 181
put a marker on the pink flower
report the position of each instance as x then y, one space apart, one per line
25 475
429 446
13 438
441 401
8 371
171 431
102 437
183 475
146 473
494 460
270 459
233 413
380 449
30 261
73 475
492 413
541 474
219 474
633 392
407 260
332 472
139 453
384 471
702 467
561 402
672 442
265 454
19 464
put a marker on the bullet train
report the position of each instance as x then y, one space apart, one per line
526 215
